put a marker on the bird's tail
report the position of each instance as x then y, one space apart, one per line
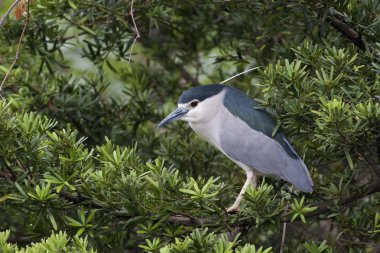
297 172
303 180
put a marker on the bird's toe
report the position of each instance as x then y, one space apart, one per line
233 209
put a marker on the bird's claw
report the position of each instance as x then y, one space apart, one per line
233 209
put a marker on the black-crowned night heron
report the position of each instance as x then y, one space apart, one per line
233 123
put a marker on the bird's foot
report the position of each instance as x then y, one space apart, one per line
233 209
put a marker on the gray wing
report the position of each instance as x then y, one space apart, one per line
247 138
267 156
249 111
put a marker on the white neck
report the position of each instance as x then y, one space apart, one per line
208 120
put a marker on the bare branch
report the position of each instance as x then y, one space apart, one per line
18 48
8 11
22 240
284 225
323 208
349 32
337 20
186 220
137 32
69 196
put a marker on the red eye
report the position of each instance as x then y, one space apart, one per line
194 104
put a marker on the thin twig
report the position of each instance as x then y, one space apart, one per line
283 233
137 32
18 49
8 11
285 223
185 220
232 77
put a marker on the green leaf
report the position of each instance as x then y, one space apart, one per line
72 5
294 217
72 222
52 220
80 231
19 188
349 159
188 191
5 197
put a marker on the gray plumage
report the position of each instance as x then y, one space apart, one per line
248 110
249 141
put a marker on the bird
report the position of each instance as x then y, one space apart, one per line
234 123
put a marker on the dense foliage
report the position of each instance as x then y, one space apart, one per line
83 168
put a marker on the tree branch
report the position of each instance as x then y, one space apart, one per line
8 11
323 208
349 32
69 196
18 47
78 199
22 240
364 191
186 220
336 20
137 31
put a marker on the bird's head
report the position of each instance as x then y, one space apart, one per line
196 105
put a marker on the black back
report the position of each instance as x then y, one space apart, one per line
200 92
